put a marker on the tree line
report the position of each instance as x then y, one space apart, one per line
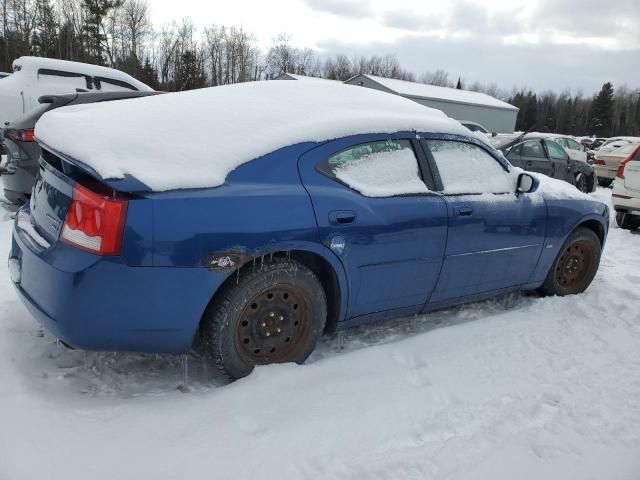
178 56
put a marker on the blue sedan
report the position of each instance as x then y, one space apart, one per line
311 237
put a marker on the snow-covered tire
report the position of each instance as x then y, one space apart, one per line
626 221
576 265
275 313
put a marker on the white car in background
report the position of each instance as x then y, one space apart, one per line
615 142
575 150
34 77
475 127
626 191
606 162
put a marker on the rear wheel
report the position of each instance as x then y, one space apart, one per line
627 221
605 182
274 314
576 264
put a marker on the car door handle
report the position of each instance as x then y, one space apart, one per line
463 211
342 217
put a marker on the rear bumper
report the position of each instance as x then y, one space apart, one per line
605 172
625 200
100 303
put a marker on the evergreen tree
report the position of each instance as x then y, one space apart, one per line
459 85
531 112
600 114
96 11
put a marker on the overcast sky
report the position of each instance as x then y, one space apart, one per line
541 44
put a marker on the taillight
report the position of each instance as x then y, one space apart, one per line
598 161
25 135
623 163
95 223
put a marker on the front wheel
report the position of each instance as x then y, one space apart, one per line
627 221
581 182
576 264
274 313
605 182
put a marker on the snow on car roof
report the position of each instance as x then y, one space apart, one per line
36 63
193 139
433 92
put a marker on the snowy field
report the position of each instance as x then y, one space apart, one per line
515 388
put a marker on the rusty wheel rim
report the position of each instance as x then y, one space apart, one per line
274 325
574 265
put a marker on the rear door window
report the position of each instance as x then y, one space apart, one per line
532 149
467 168
59 81
112 85
556 152
377 169
573 145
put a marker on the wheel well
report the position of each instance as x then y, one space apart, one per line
327 276
318 265
596 227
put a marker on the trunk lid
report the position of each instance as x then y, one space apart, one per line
53 192
632 173
50 199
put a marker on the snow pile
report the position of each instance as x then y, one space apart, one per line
519 387
383 174
194 139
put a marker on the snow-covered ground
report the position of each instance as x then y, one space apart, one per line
518 387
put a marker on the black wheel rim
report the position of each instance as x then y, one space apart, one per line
274 325
574 265
581 183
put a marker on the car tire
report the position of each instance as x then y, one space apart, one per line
605 182
274 313
15 198
581 182
627 221
576 264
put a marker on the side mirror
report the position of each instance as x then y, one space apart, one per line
526 184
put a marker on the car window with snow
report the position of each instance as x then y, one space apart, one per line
378 169
466 168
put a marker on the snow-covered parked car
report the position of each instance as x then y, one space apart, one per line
626 190
34 76
281 210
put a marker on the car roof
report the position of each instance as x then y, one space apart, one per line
227 126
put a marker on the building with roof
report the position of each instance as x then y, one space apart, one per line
463 105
